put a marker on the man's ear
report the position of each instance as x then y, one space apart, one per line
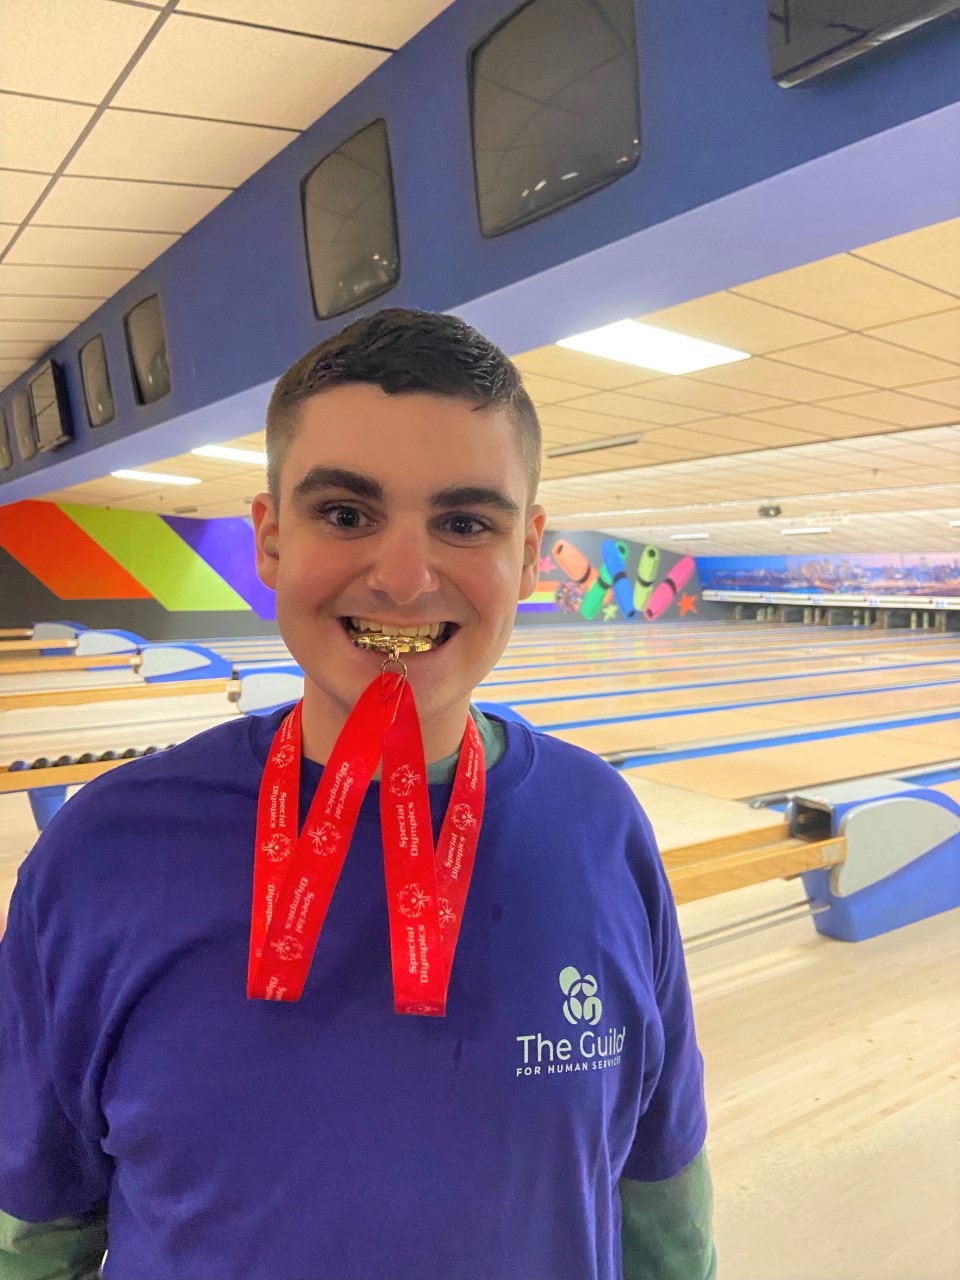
267 532
530 573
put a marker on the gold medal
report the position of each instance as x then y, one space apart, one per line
393 645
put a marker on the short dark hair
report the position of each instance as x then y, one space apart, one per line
405 351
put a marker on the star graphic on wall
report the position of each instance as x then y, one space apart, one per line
610 612
547 564
688 604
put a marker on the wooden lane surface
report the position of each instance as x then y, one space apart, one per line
707 727
16 633
29 734
654 676
777 770
31 646
113 693
764 695
832 1095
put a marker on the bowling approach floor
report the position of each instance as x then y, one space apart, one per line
831 1069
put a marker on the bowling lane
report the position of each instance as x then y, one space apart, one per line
772 770
760 694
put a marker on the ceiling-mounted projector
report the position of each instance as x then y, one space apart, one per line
769 510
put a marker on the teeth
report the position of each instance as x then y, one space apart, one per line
431 629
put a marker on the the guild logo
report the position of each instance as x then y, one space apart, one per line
277 847
288 948
462 817
412 900
325 839
403 780
447 914
582 1004
283 756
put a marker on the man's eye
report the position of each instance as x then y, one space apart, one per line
342 516
465 526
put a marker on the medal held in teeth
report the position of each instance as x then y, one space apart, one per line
296 872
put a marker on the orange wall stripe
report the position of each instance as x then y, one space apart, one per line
66 560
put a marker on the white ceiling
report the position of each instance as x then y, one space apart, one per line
124 122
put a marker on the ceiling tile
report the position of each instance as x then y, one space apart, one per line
616 404
544 391
937 335
576 366
894 407
208 152
847 291
783 382
586 424
697 442
225 71
71 247
7 231
135 206
931 254
869 360
13 307
68 48
34 330
704 395
944 392
741 322
37 134
761 434
820 420
99 282
366 21
23 350
18 193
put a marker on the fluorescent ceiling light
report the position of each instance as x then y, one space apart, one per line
814 528
154 477
955 524
609 442
253 456
687 537
631 342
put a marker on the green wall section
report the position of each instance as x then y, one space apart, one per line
157 557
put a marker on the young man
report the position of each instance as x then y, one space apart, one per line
550 1126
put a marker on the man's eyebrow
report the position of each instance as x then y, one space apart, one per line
475 496
354 482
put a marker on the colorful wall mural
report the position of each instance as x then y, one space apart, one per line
162 577
592 578
886 574
166 577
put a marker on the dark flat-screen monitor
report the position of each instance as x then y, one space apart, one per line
6 457
51 408
810 36
95 374
23 427
147 345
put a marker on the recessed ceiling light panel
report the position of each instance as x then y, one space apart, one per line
644 345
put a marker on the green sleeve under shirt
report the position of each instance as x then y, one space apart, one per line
667 1229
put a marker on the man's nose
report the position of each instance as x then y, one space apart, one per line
402 567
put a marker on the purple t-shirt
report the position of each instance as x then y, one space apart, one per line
332 1138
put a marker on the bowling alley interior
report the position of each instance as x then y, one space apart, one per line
748 599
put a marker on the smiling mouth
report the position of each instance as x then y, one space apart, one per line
366 633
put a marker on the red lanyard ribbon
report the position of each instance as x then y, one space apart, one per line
294 877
